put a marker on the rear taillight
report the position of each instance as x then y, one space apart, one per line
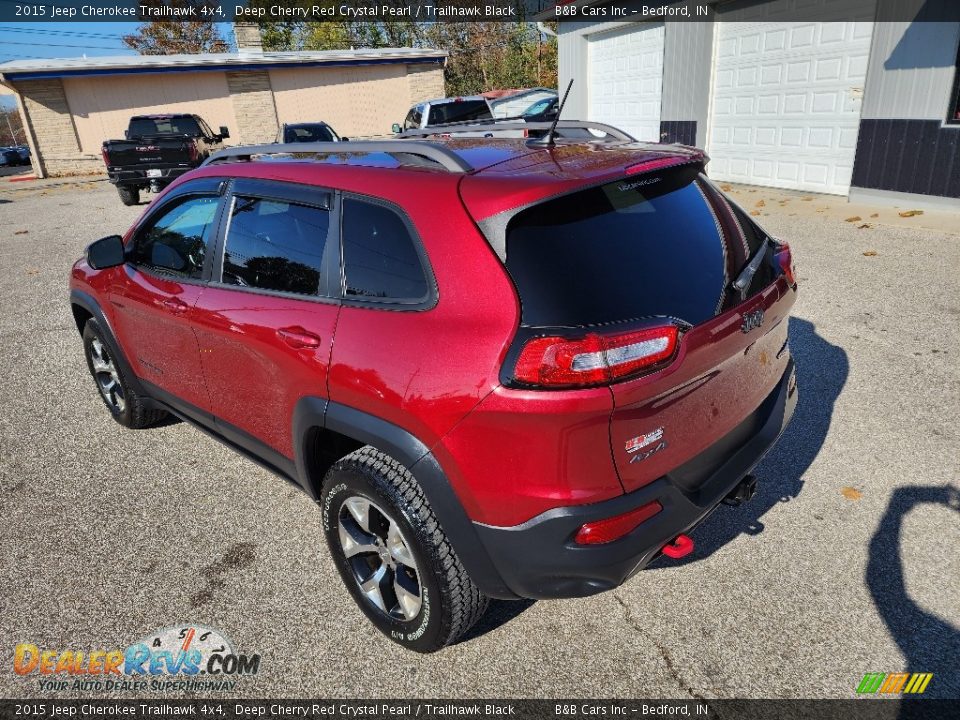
614 528
593 359
784 260
194 153
106 158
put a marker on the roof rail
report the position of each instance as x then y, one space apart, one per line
487 126
411 151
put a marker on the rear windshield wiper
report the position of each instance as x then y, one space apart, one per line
742 281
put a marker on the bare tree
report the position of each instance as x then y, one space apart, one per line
11 129
162 37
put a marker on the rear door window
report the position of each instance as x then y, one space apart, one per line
648 246
276 245
380 258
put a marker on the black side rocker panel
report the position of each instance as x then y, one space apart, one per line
407 449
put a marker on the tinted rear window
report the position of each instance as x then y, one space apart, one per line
164 126
307 133
459 112
640 247
380 260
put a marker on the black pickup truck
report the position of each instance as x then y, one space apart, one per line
157 150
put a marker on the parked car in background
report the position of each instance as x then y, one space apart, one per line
514 103
307 132
24 154
443 111
9 156
156 150
542 111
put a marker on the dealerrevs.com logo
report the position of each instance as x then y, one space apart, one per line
190 657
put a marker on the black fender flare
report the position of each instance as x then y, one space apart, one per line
406 448
90 304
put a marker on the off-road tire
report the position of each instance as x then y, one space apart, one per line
129 195
135 412
451 603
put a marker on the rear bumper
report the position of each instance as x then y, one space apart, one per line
539 559
138 177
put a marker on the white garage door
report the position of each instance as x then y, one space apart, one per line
626 77
786 103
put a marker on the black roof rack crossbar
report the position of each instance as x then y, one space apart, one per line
487 126
401 150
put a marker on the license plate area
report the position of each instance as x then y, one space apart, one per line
154 173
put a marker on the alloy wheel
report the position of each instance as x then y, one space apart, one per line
105 373
380 559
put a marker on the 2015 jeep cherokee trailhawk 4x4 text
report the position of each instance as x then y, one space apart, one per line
502 369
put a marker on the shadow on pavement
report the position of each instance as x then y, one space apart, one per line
499 613
822 370
929 644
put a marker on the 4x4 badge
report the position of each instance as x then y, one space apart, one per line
751 320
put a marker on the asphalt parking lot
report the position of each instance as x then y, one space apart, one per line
847 561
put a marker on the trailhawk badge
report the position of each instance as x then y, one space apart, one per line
641 441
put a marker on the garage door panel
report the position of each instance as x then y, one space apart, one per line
786 103
626 79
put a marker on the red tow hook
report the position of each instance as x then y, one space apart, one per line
681 546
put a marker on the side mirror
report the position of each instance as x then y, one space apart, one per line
105 253
396 128
126 134
224 132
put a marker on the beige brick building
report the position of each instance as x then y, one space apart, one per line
69 107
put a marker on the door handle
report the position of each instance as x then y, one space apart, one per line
297 337
175 305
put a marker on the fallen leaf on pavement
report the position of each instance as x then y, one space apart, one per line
870 253
911 213
754 212
21 232
807 199
851 493
761 203
875 215
855 218
865 225
726 188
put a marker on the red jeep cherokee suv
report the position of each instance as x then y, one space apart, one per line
502 369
